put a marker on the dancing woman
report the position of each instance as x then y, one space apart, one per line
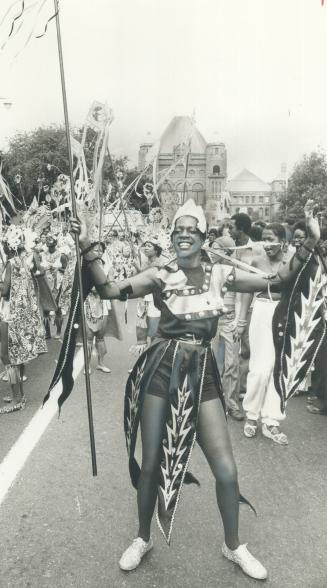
174 390
21 329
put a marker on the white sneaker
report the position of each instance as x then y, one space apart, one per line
274 433
104 369
131 558
247 562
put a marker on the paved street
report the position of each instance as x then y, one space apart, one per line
62 528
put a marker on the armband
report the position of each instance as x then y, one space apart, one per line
275 287
94 259
125 292
307 248
300 258
89 248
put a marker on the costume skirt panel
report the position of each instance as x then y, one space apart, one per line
178 370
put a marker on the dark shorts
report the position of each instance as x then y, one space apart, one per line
159 385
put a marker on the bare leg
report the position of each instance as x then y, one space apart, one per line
101 348
152 424
213 438
58 321
46 322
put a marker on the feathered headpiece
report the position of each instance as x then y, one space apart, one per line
191 209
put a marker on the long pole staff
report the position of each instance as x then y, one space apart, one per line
78 259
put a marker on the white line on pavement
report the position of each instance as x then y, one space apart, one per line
23 447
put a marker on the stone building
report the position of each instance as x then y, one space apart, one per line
201 175
259 199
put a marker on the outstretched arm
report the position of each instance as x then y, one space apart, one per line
135 287
246 282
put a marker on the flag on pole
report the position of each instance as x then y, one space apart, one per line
21 21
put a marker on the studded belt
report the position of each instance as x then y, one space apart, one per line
190 338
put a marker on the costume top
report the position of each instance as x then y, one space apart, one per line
191 300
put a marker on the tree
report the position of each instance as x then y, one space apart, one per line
308 180
34 160
27 157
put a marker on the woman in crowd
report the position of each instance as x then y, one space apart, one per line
261 400
101 318
22 332
147 314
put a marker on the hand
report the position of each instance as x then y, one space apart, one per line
240 328
78 227
311 220
234 330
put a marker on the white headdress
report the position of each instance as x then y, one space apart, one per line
191 209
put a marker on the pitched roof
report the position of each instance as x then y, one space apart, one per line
178 131
246 181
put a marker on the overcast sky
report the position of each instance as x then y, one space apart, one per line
255 72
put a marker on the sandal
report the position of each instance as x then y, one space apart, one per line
274 433
315 409
250 430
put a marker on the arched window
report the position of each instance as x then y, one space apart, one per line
182 194
216 169
198 193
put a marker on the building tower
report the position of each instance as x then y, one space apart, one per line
216 178
203 178
143 151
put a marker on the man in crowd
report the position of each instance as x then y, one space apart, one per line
240 227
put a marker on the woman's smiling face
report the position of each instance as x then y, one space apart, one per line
187 239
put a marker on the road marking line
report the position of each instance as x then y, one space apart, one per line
22 448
